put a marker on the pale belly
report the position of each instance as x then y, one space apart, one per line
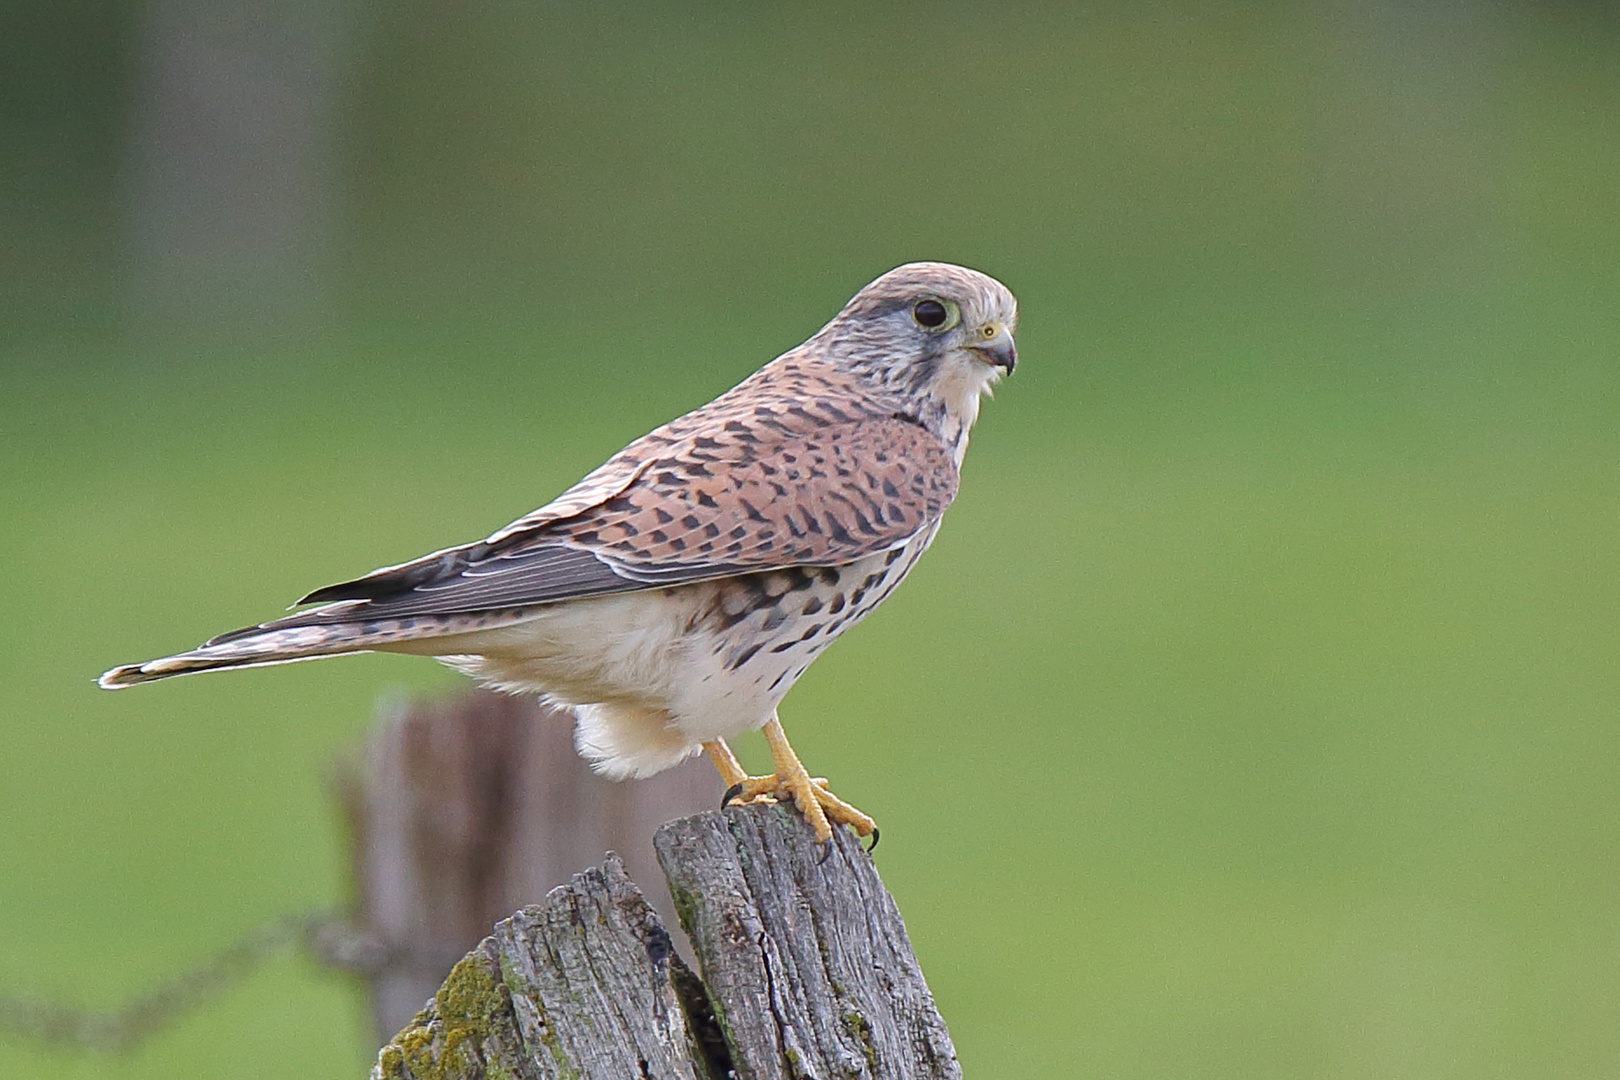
651 675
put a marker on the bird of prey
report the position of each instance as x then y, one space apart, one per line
675 594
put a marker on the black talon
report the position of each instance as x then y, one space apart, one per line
874 840
826 850
731 793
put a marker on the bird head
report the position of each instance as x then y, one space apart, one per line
934 332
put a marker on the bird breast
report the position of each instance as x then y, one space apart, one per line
714 658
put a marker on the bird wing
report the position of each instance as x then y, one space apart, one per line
790 489
815 494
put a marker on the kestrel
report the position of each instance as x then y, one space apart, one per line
675 594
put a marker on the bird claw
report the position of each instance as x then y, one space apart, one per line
789 783
827 846
820 807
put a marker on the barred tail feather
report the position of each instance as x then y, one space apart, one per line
310 635
258 650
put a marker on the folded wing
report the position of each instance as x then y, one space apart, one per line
783 490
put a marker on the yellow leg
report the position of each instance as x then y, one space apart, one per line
820 807
731 770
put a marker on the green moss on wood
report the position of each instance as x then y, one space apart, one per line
857 1025
468 1001
446 1040
554 1049
392 1062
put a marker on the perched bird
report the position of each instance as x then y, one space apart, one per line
675 594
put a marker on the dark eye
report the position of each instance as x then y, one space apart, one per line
929 313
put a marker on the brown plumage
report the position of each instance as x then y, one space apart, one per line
672 596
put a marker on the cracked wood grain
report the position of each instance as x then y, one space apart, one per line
806 972
807 964
581 987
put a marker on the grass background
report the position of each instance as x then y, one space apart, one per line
1253 714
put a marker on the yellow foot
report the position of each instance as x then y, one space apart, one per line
820 807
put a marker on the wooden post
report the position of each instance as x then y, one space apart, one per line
806 971
580 986
806 961
464 810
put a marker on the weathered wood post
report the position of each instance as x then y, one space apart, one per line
805 970
463 810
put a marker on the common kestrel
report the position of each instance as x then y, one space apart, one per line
675 594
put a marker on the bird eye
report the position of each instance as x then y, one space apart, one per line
930 314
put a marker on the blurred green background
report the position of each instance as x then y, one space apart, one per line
1254 714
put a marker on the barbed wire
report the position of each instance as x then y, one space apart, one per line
325 936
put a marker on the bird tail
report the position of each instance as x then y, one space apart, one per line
332 630
256 647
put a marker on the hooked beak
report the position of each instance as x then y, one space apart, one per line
998 351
